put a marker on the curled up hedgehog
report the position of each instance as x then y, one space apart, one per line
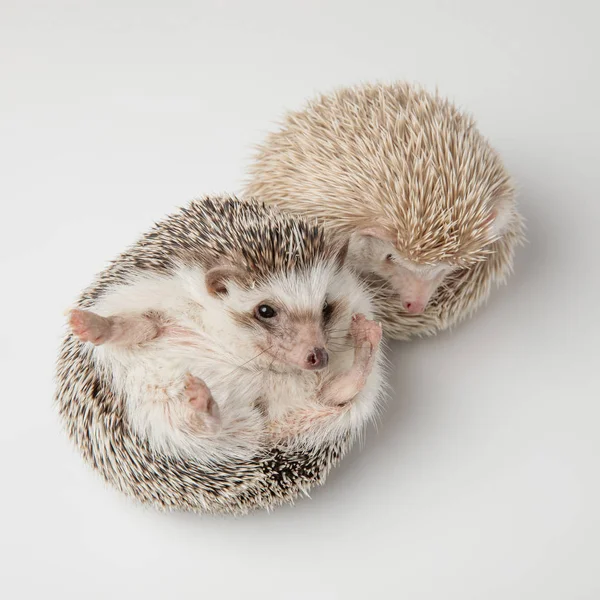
427 201
225 362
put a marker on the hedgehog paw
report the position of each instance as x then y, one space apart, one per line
364 331
206 411
89 327
345 387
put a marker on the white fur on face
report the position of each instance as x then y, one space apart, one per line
203 338
304 292
415 284
299 327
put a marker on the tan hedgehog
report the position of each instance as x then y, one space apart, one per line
428 202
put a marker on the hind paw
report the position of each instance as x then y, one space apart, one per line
206 411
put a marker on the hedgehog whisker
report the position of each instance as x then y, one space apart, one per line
343 330
336 347
250 360
342 350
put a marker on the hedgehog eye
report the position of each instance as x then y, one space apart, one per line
389 257
264 311
327 310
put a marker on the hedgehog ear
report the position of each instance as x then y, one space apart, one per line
377 231
218 277
500 218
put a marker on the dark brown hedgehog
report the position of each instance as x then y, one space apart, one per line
225 362
428 202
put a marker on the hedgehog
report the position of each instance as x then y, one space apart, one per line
427 201
223 363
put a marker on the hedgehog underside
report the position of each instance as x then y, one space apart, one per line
96 420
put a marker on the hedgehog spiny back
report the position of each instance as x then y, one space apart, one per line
392 154
213 230
265 240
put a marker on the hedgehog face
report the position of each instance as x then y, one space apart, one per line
372 251
414 284
285 322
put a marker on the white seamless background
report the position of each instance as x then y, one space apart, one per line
483 478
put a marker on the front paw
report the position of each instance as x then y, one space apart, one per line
89 327
364 331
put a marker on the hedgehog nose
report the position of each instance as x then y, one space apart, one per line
412 307
317 359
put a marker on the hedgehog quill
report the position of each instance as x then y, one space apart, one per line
428 203
228 334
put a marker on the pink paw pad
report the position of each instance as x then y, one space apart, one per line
206 412
363 330
198 394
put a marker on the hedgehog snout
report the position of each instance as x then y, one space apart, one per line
415 290
414 307
317 359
